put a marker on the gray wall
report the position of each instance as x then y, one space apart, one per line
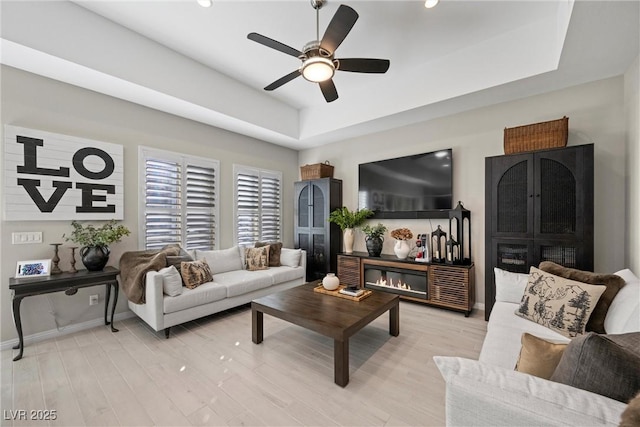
596 115
632 110
39 103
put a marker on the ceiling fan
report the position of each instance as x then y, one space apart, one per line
318 61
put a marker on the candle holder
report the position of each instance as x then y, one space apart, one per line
460 228
56 259
438 245
73 259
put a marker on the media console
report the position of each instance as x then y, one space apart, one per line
441 285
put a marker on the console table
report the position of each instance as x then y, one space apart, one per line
442 285
22 287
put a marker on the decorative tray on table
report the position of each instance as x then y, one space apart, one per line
337 293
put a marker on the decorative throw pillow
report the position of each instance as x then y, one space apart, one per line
171 281
257 258
290 257
557 303
612 282
605 364
539 357
631 415
195 273
274 252
176 260
509 286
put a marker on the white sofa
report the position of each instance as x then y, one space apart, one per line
232 286
489 392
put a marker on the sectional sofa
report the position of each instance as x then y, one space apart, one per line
490 392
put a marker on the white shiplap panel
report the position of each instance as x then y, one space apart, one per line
54 155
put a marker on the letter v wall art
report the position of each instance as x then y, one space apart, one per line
48 176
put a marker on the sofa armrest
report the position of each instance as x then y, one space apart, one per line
152 311
478 394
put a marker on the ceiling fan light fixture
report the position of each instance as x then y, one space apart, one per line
317 69
430 3
205 3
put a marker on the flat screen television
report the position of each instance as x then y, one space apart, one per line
416 186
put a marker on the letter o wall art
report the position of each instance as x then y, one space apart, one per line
48 176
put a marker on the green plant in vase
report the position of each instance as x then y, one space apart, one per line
347 220
374 238
95 241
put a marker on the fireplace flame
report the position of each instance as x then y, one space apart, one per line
382 281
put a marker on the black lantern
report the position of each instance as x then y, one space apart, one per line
453 251
460 228
438 245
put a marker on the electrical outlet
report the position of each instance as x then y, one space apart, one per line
93 299
26 237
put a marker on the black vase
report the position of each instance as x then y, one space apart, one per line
94 258
374 245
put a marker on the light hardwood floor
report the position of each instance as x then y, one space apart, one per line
210 373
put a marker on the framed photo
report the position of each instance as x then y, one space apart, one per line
39 267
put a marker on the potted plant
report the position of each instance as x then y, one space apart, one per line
401 247
347 220
373 238
95 242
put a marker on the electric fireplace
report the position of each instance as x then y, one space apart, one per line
407 282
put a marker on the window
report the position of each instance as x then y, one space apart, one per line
179 200
258 196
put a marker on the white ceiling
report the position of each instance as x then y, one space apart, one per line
196 62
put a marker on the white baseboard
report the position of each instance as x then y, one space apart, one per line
69 329
479 306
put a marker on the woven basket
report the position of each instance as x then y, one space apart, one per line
315 171
538 136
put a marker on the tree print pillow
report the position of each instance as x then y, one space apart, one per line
557 303
257 258
195 273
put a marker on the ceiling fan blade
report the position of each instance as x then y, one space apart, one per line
329 90
363 65
282 80
338 28
273 44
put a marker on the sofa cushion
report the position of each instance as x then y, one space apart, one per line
223 260
539 357
290 257
501 345
605 364
509 286
240 282
612 282
176 260
624 313
284 274
257 258
203 294
560 304
195 273
275 248
171 281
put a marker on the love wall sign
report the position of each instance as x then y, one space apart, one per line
50 176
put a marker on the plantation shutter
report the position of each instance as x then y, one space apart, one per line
258 195
201 203
270 208
163 209
180 200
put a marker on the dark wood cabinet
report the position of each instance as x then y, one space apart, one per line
314 201
539 207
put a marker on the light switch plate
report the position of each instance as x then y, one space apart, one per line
25 237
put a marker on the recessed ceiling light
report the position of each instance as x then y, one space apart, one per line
204 3
430 3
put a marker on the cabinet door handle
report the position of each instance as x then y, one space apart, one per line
537 195
531 196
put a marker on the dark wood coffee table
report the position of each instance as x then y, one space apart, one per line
327 315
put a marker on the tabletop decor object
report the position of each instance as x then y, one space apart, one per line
95 240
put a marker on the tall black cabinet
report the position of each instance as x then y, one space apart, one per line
314 201
539 207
